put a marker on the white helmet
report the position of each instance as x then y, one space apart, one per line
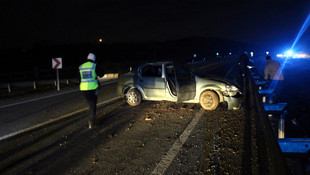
91 56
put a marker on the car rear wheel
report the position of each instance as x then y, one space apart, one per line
209 100
133 97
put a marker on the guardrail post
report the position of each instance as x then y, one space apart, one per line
34 85
281 127
57 74
9 87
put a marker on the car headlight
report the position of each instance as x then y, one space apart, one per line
231 90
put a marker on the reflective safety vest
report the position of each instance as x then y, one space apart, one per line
88 74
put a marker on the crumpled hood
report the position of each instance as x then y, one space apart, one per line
217 78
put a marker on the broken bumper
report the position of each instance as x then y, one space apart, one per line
233 102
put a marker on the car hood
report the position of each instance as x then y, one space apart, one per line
217 78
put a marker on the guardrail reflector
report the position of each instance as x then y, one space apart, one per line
260 82
256 77
266 91
294 145
275 107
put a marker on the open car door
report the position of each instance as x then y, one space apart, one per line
186 84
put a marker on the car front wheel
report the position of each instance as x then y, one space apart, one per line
209 100
133 97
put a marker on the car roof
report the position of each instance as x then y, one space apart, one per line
158 62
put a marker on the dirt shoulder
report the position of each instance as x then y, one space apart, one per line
128 142
134 140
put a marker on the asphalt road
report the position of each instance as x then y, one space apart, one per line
20 114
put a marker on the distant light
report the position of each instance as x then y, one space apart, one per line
195 55
217 54
252 54
293 55
229 53
267 53
280 55
301 55
250 67
100 40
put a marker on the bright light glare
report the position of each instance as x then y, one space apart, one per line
302 30
289 52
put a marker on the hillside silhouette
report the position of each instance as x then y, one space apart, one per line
117 57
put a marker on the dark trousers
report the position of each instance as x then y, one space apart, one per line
279 90
91 99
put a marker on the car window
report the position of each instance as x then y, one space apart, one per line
151 71
183 74
169 70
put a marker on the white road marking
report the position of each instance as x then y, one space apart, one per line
168 158
35 99
54 120
48 96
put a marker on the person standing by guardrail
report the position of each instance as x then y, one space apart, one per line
273 74
89 85
243 63
273 70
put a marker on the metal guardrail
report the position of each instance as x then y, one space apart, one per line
34 84
272 120
269 154
279 111
37 75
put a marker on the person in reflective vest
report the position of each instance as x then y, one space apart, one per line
89 85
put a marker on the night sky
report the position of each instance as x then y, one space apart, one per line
261 22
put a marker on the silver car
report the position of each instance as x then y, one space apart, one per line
166 81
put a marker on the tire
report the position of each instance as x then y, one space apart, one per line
209 100
133 97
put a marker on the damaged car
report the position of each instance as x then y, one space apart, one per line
167 81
